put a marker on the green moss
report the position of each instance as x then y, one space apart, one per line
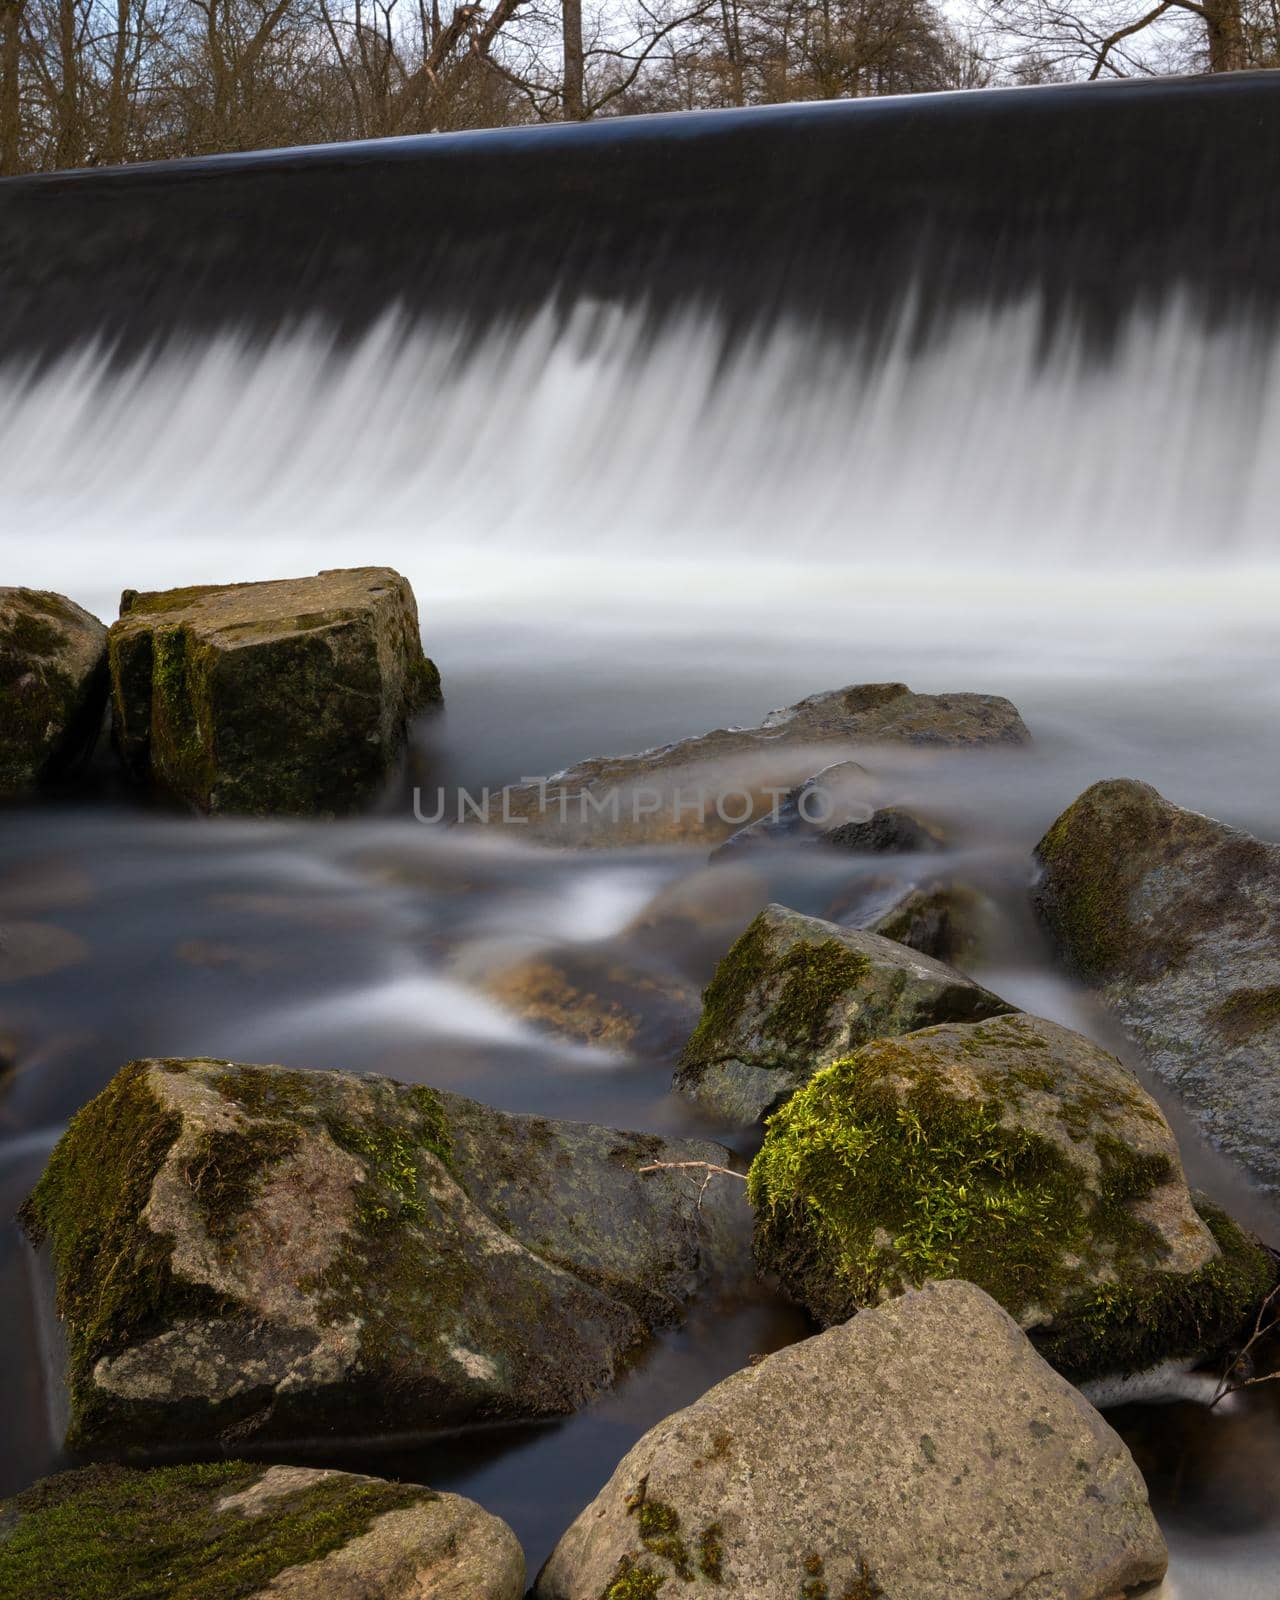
105 1533
660 1534
632 1581
864 1586
1094 857
113 1273
266 1093
163 600
711 1553
182 754
230 1165
875 1177
1245 1013
33 636
1163 1316
812 979
424 684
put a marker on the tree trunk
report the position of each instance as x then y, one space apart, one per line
118 91
1225 28
575 106
69 144
10 87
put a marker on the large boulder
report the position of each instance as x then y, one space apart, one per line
1018 1155
795 992
288 697
247 1250
701 790
1175 918
53 687
920 1452
228 1530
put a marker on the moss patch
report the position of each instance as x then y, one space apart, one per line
876 1177
1245 1013
229 1167
114 1281
632 1581
106 1533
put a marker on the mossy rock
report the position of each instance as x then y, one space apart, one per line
288 697
946 920
53 687
703 789
228 1530
245 1250
1175 918
921 1451
795 992
1018 1155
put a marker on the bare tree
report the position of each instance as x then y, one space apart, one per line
1053 39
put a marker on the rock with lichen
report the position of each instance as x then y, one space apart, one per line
795 992
1174 918
230 1530
250 1251
287 697
920 1451
702 789
1020 1156
53 687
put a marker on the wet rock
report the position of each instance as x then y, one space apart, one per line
891 830
794 993
1020 1156
53 687
287 697
36 949
606 994
254 1251
695 919
701 790
921 1451
839 794
1175 919
943 920
231 1528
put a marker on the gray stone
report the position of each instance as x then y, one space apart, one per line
794 993
302 1534
53 687
891 830
254 1251
288 697
1020 1156
921 1451
700 790
1175 919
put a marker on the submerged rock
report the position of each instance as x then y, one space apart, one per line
839 794
703 789
944 920
607 994
920 1452
247 1250
1018 1155
286 697
227 1529
53 687
1175 918
794 993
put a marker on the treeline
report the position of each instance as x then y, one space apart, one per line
97 82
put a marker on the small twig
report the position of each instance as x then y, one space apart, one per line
709 1169
1262 1326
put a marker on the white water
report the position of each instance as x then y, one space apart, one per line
220 460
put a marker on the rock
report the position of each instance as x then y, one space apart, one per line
891 830
919 1452
249 1251
697 916
53 687
794 993
700 790
229 1528
1020 1156
287 697
605 994
1175 919
944 920
36 949
839 793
